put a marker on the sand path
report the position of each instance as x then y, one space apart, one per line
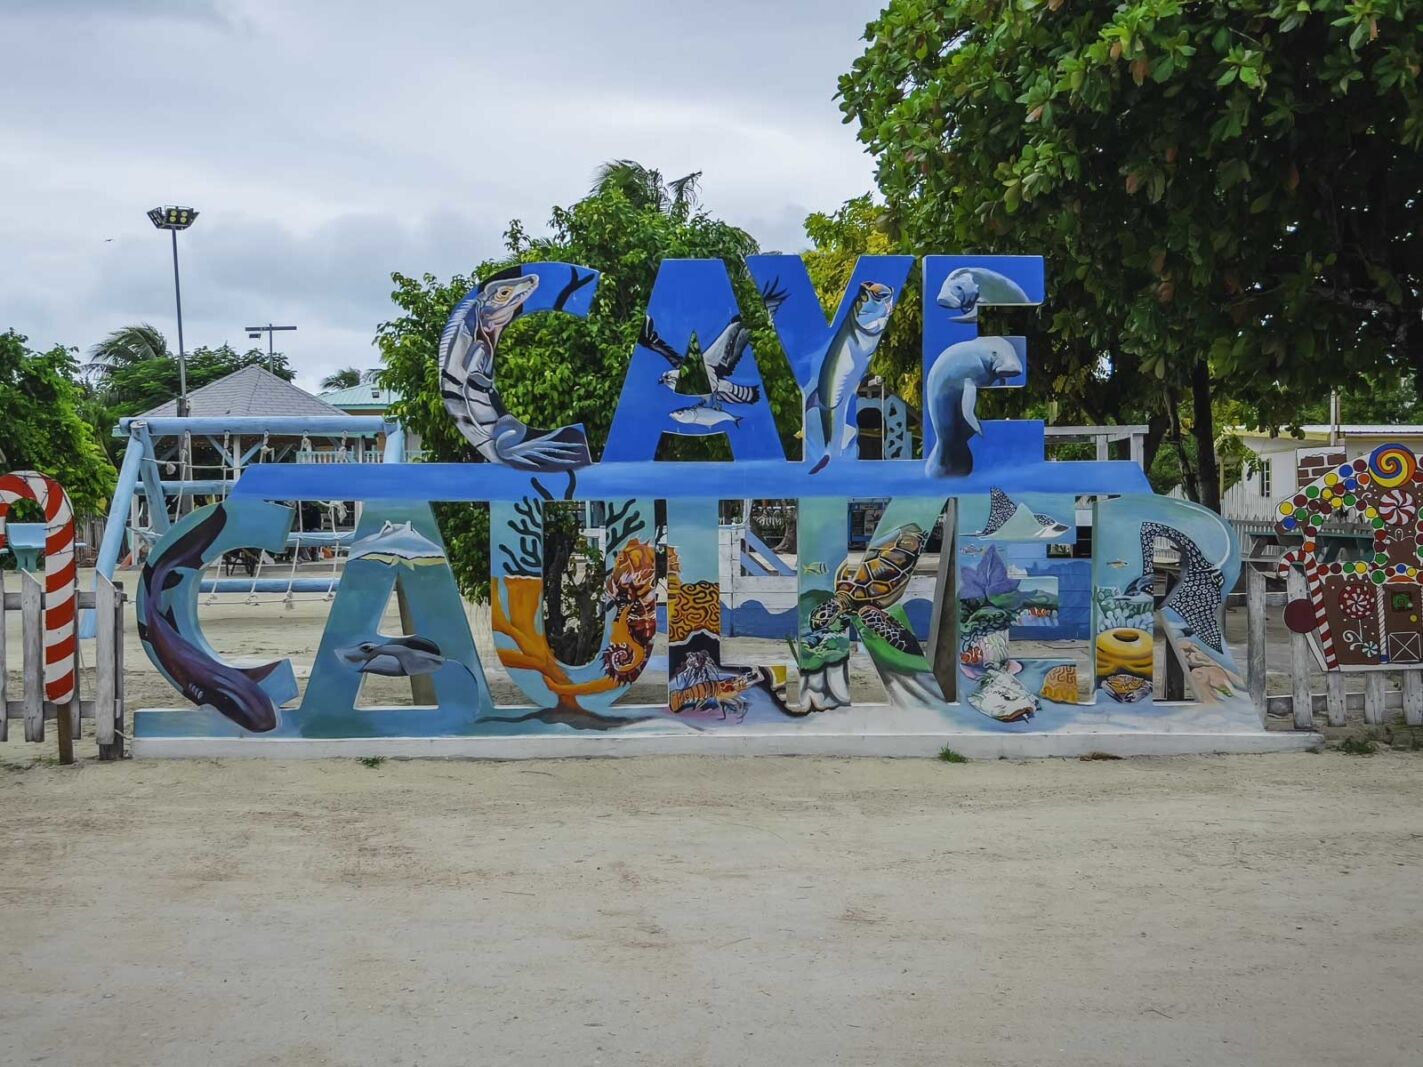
1244 910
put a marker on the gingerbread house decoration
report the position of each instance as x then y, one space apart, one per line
1362 613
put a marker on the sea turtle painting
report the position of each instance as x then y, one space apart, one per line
865 589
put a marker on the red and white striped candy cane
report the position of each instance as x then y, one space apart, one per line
61 590
1316 598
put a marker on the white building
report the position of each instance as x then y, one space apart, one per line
1282 464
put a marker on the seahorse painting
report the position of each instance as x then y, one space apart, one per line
631 593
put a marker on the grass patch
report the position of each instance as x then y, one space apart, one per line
1088 757
948 755
372 761
1359 745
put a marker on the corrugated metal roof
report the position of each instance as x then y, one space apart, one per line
364 396
250 391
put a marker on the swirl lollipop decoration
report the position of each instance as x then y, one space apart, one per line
1397 508
1391 466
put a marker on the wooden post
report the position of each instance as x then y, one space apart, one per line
116 751
105 680
943 633
4 669
1374 690
1413 698
1336 704
1299 658
1103 447
1256 672
32 640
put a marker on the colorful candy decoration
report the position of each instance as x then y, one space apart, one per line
60 587
1305 558
1392 465
1397 507
1356 600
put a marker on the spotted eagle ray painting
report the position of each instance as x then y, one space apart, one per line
1030 517
936 624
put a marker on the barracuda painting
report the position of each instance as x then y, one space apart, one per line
968 615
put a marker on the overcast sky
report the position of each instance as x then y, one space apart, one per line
327 143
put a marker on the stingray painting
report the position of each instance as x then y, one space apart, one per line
398 544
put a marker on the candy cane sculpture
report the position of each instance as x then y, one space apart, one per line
1305 558
60 587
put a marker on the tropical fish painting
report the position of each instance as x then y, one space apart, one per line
845 362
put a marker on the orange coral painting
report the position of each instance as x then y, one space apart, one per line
517 611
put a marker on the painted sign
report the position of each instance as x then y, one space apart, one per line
971 557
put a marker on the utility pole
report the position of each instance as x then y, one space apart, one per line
256 331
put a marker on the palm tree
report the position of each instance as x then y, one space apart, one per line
645 186
347 377
342 379
124 348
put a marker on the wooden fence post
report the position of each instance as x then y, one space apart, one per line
1374 691
1336 702
1299 657
1413 698
106 680
32 640
1256 673
4 669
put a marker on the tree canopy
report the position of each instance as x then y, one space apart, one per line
554 369
129 382
40 402
1226 193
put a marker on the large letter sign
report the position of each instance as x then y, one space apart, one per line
963 610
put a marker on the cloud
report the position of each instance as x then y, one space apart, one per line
329 143
180 10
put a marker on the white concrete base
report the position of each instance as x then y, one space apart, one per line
971 745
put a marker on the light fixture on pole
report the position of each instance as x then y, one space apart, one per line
256 332
174 219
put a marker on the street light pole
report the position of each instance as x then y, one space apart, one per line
174 219
255 332
182 351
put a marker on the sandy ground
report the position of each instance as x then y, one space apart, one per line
1241 910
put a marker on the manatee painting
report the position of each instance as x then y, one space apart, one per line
952 395
968 287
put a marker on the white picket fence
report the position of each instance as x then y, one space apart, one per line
105 708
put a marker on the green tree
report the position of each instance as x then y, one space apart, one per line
40 401
1226 193
131 388
554 369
